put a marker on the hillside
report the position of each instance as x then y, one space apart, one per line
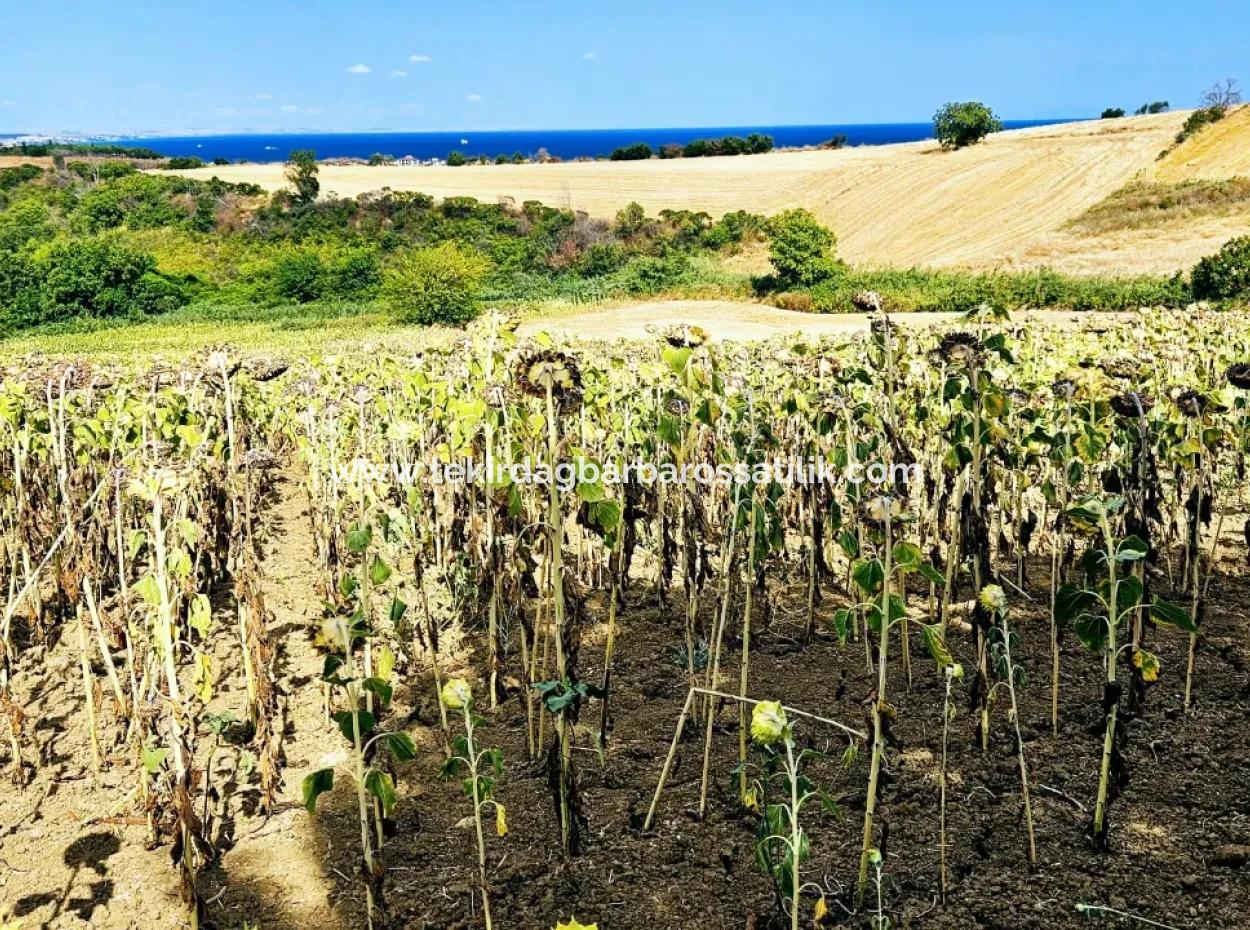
1004 203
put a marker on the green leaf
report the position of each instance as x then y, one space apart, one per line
1165 612
379 688
1131 549
359 538
329 671
677 358
382 786
842 624
153 759
379 571
1091 630
937 648
932 574
869 575
398 609
315 785
1071 602
401 746
907 555
344 719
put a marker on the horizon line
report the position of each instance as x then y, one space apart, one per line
205 133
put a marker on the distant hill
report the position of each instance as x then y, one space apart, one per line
1008 202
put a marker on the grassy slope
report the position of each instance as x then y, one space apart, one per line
1004 203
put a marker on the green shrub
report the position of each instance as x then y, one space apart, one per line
19 292
1226 274
648 274
25 222
435 285
298 276
18 175
182 162
639 151
98 278
800 248
1199 120
456 159
960 124
1112 113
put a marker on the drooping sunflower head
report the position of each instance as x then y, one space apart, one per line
867 301
538 370
1131 404
768 722
685 336
1195 404
1238 375
993 598
456 694
959 347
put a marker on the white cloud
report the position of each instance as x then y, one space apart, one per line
589 56
359 69
289 108
7 103
418 59
474 98
398 72
264 96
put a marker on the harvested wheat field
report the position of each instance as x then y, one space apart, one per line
1004 203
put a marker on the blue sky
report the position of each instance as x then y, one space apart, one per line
383 64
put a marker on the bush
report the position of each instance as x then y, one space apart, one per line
960 124
639 151
1199 120
456 159
181 162
297 276
92 278
1224 275
435 285
18 175
800 249
799 301
649 275
1112 113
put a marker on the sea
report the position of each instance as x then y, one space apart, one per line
564 143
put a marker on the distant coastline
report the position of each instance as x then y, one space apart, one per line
565 144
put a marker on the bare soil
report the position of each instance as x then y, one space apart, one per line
73 850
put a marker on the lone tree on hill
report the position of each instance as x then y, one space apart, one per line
960 124
1222 95
301 173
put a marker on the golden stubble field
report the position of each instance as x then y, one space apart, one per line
1003 203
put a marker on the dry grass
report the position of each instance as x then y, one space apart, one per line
1154 204
1221 150
1054 196
900 205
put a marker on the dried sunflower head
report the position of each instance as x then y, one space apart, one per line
867 301
1194 404
539 369
1064 388
1131 404
959 347
1124 367
1238 375
684 336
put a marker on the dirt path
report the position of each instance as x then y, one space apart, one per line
731 320
277 875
